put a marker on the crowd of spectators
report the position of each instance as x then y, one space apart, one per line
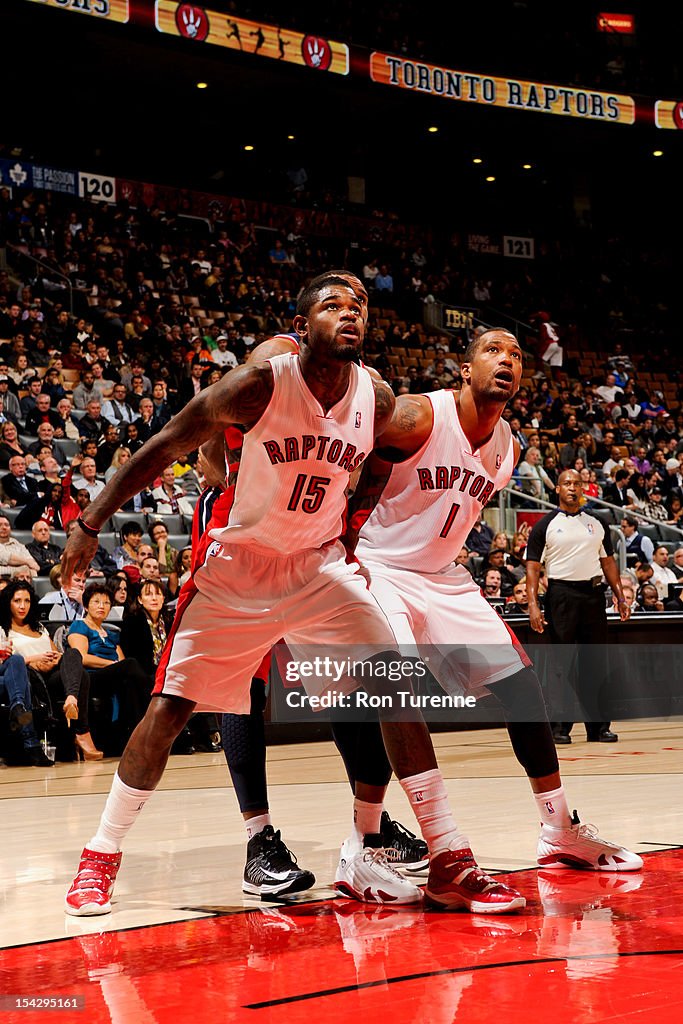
156 310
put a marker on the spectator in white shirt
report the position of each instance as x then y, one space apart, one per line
87 479
535 480
662 576
221 355
169 497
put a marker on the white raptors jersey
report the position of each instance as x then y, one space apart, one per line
295 464
432 500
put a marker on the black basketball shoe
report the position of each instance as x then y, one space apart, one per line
271 870
402 847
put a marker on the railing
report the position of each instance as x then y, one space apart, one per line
505 505
34 259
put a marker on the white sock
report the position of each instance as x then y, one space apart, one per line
552 807
119 815
366 819
257 824
427 795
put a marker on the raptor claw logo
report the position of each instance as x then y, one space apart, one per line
316 53
192 22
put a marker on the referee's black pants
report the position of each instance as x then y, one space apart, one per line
577 620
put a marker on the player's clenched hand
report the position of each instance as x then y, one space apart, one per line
78 554
536 619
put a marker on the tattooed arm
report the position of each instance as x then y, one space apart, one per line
385 403
405 433
240 397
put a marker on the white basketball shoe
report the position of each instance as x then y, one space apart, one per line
367 875
579 846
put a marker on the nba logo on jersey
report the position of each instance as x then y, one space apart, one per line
549 807
589 527
214 549
358 420
419 796
499 461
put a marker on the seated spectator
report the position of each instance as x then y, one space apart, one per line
636 544
66 679
86 391
143 501
654 507
629 592
122 593
648 599
149 569
45 506
534 479
41 550
147 423
28 403
127 551
673 479
222 355
662 576
93 424
491 584
144 632
103 386
9 444
674 510
616 492
676 563
519 601
52 385
42 413
495 559
10 403
12 553
169 497
14 685
87 479
68 427
120 457
163 551
21 373
480 537
181 571
116 409
109 443
111 673
46 437
131 438
17 487
162 409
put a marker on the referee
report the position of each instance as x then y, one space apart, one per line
576 549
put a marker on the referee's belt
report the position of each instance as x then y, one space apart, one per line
591 584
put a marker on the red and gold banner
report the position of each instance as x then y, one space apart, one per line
622 24
104 10
669 114
468 87
193 21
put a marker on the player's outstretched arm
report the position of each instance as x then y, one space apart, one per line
385 404
240 397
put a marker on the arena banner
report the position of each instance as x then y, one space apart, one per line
104 10
669 114
511 93
16 174
193 21
53 179
98 187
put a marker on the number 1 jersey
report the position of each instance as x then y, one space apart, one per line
433 499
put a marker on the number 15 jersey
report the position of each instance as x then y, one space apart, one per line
294 469
433 499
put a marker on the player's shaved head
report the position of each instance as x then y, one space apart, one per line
344 278
478 340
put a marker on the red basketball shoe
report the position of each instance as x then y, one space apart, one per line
455 880
93 885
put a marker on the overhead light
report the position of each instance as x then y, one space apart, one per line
290 137
202 85
248 149
658 152
477 160
526 167
432 128
490 178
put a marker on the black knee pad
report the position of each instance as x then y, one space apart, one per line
527 722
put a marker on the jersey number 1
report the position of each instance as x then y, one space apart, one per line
449 520
315 492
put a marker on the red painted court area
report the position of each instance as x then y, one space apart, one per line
589 948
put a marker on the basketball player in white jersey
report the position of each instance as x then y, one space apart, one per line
420 492
276 569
